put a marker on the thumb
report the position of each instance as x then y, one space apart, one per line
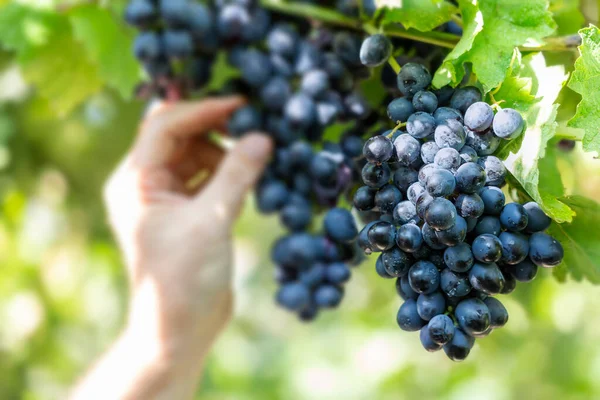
239 171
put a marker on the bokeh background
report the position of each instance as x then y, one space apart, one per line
66 118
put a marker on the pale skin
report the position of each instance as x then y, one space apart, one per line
175 238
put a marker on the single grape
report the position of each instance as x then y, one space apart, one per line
488 224
363 238
525 271
404 177
315 83
427 341
141 13
382 236
244 120
232 20
514 217
468 154
493 200
515 247
323 169
469 205
406 213
498 313
380 268
375 50
308 58
364 198
296 217
464 98
454 284
487 248
420 125
272 196
147 47
376 176
508 124
413 192
257 28
441 183
447 158
313 276
470 178
510 283
408 149
340 225
396 262
409 238
428 152
275 93
337 273
293 296
444 94
545 251
425 172
459 258
441 214
494 170
399 110
444 114
408 318
378 149
328 296
450 134
300 111
175 13
538 221
413 78
473 316
430 305
357 106
404 290
486 278
441 329
479 116
424 277
484 143
283 40
455 235
460 346
387 198
425 101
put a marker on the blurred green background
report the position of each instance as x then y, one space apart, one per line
67 117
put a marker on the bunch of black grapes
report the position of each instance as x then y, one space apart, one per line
299 81
444 231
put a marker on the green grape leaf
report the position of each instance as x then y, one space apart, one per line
586 81
567 15
108 43
49 57
22 27
532 89
60 73
423 15
580 239
493 30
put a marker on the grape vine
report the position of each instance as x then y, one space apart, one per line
422 166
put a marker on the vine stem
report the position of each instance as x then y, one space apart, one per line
436 38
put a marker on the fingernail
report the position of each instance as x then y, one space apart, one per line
256 146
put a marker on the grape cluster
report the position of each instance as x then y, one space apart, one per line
299 81
444 231
428 190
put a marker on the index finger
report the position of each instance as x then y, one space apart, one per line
170 122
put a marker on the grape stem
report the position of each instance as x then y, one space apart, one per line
394 64
436 38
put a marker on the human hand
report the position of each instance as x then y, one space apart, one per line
176 239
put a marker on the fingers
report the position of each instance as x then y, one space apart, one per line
171 123
240 170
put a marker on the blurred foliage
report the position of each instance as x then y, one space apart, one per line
67 117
